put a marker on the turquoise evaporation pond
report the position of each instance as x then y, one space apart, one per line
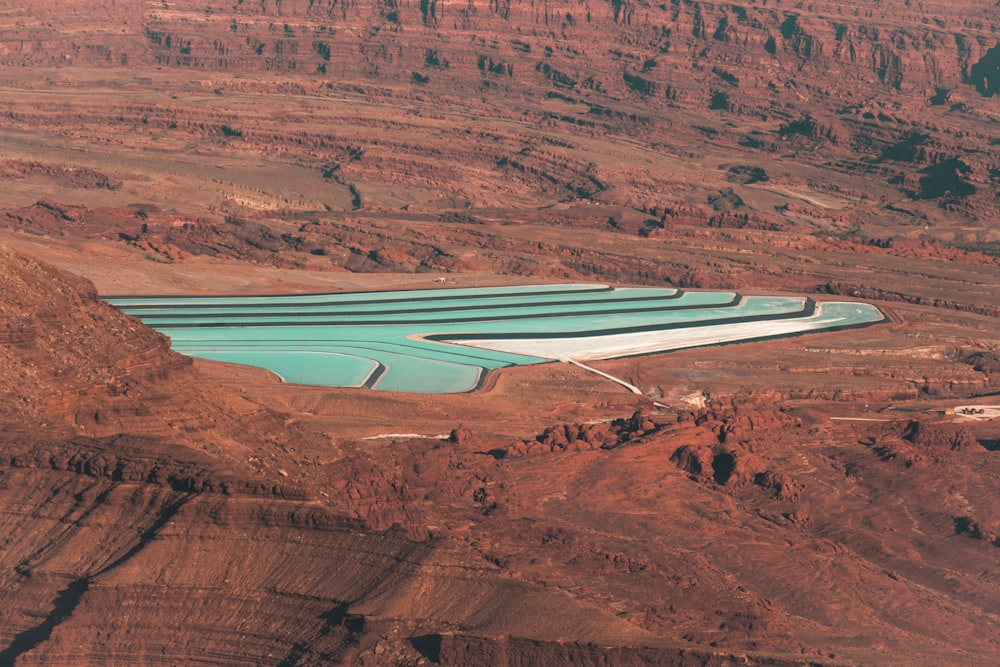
379 339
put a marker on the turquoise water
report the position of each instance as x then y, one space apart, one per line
380 339
299 366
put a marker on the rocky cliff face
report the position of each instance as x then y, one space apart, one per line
75 367
104 32
61 346
750 41
648 51
445 108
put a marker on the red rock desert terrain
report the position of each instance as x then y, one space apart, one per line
818 500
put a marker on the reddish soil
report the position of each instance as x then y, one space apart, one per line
812 500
